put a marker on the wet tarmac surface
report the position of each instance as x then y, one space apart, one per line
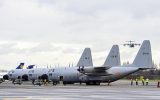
116 91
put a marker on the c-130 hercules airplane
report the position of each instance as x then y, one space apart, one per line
108 72
72 75
85 60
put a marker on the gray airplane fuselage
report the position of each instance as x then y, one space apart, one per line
110 75
65 74
72 75
14 74
33 74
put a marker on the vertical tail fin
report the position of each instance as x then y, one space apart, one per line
144 56
86 58
113 58
30 66
21 65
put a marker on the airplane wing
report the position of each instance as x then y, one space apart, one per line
100 69
95 71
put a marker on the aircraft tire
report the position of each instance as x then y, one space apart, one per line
92 83
54 83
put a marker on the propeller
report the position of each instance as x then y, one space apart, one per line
80 68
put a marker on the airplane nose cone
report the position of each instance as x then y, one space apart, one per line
6 77
25 77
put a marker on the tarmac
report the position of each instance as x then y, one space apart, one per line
119 90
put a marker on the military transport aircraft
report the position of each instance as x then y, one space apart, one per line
85 60
72 75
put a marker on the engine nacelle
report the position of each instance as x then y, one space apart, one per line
86 70
6 77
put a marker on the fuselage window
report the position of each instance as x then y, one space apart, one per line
50 74
30 74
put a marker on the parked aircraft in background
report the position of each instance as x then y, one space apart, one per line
18 72
2 73
72 75
6 76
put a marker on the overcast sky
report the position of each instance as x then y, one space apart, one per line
52 32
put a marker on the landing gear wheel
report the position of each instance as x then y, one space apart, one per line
54 83
92 83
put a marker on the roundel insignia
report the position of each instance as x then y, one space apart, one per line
86 57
